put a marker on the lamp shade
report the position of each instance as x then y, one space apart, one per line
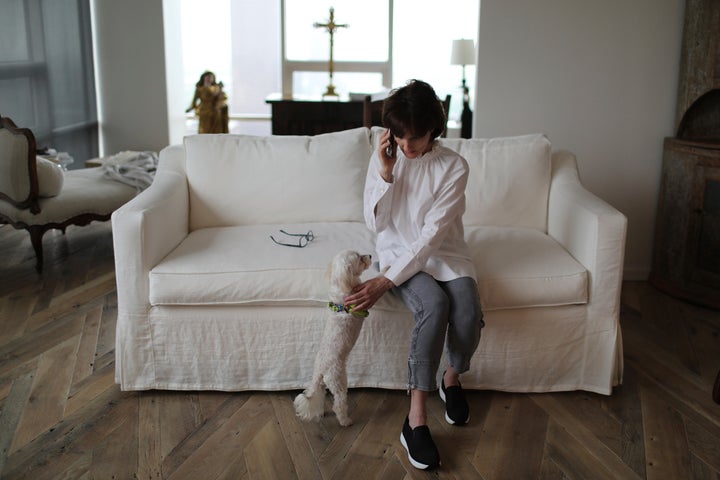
463 52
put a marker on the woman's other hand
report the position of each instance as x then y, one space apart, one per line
364 296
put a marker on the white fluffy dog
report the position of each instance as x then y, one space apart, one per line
341 332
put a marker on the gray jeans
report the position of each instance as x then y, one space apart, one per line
440 307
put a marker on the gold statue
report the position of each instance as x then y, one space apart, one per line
331 26
212 110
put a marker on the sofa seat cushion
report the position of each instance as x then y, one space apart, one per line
523 267
516 267
242 265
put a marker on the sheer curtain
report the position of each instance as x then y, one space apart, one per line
46 73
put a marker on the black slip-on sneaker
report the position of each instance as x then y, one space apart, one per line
418 442
457 411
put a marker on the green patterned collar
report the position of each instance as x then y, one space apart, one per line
335 307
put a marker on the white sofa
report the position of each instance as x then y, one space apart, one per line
207 301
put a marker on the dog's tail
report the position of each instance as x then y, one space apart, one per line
310 407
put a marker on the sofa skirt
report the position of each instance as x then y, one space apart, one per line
231 348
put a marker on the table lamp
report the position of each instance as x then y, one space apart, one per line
463 53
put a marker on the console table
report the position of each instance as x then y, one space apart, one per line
292 115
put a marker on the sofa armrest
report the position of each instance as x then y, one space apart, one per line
147 228
591 230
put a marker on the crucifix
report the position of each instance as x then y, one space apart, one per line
331 26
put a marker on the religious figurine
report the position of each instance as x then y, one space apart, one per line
331 26
212 109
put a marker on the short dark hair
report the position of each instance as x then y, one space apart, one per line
415 109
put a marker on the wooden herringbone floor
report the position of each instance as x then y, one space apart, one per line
63 416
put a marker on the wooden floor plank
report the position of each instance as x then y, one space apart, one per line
375 440
46 404
266 456
666 447
495 443
202 434
703 445
595 451
573 458
627 408
14 314
149 453
117 453
306 468
89 388
178 419
529 423
85 359
59 447
224 446
694 401
12 410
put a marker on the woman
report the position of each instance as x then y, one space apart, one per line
414 201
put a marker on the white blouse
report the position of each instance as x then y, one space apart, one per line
418 217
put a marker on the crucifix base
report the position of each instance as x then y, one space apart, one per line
330 92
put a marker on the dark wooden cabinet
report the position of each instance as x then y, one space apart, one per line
686 260
298 116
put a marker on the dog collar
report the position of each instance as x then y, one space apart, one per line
337 308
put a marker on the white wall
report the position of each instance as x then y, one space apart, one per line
600 79
174 72
130 69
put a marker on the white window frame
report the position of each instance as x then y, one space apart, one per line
289 67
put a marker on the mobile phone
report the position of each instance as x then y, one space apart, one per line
390 151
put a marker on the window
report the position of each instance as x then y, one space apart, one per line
362 59
46 73
417 44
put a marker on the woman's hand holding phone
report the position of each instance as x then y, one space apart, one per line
388 155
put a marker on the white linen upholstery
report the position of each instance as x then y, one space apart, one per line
522 267
84 191
14 175
285 179
50 177
240 265
509 180
216 304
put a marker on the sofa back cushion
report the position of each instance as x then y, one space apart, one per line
509 180
245 180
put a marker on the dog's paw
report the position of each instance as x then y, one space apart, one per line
308 409
345 422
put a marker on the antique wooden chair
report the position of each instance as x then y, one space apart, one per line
38 196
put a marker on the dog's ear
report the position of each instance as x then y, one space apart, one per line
342 271
334 268
345 279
